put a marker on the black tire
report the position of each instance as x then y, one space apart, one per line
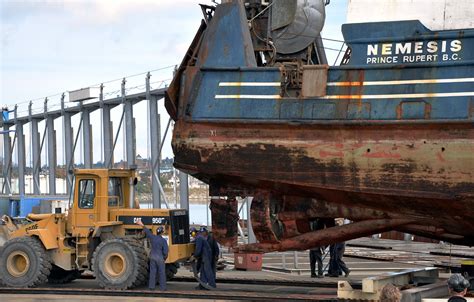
61 276
171 270
120 263
24 262
139 248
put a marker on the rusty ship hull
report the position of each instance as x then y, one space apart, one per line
389 147
420 176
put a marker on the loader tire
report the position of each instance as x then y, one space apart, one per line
61 276
139 247
120 263
171 270
24 262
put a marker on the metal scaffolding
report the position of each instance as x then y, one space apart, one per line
46 141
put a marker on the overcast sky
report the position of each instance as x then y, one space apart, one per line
52 46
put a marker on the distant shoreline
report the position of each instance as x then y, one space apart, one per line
192 200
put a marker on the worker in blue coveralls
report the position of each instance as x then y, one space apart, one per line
158 255
215 252
204 254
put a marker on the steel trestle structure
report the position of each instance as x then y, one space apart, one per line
84 136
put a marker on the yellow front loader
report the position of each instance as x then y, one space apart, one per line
98 233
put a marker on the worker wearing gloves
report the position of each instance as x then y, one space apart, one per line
158 255
204 253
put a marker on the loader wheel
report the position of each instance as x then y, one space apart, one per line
120 263
61 276
24 262
171 270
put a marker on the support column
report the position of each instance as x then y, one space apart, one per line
87 138
107 133
129 128
21 155
7 157
52 163
184 190
155 141
35 150
36 153
68 134
251 235
129 137
51 151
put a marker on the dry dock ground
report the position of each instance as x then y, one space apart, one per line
276 282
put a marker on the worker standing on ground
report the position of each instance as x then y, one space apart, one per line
204 254
458 286
215 251
340 248
316 253
193 233
334 269
337 266
158 255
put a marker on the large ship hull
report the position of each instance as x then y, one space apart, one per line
386 141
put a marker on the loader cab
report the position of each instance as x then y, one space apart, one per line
95 192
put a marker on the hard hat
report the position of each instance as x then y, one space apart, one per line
202 230
458 283
160 230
